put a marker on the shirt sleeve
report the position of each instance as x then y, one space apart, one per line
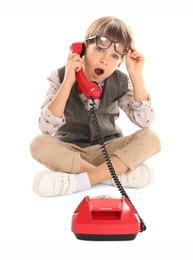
141 113
48 123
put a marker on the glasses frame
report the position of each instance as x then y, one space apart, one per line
115 42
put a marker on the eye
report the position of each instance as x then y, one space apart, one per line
115 56
99 49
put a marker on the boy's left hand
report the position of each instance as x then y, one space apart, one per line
134 61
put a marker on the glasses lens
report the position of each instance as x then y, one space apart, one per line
121 49
103 42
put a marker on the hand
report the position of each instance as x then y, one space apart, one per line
134 61
74 64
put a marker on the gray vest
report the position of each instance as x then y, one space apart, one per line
79 128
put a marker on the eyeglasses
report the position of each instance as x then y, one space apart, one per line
104 43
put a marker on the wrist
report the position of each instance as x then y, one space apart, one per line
136 79
67 83
136 74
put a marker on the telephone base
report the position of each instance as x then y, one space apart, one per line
98 237
105 218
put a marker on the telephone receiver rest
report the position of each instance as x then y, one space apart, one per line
89 88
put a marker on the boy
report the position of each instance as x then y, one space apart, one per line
69 145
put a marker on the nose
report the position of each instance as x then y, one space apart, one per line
104 59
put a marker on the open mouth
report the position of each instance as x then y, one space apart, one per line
99 71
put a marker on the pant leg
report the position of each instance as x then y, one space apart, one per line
55 154
133 150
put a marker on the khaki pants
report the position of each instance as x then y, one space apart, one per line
56 155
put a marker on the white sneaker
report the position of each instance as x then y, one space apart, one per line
139 178
48 183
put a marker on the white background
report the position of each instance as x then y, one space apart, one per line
34 40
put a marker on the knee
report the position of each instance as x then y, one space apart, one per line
153 139
38 145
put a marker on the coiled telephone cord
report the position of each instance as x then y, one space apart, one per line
109 163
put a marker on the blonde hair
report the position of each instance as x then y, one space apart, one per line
111 27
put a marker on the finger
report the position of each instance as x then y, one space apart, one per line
128 56
78 69
78 65
73 56
133 53
133 48
136 55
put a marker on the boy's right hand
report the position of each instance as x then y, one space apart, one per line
73 65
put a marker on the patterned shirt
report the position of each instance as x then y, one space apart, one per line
141 113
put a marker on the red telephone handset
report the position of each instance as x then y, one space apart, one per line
89 88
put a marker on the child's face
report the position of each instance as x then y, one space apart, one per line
100 63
